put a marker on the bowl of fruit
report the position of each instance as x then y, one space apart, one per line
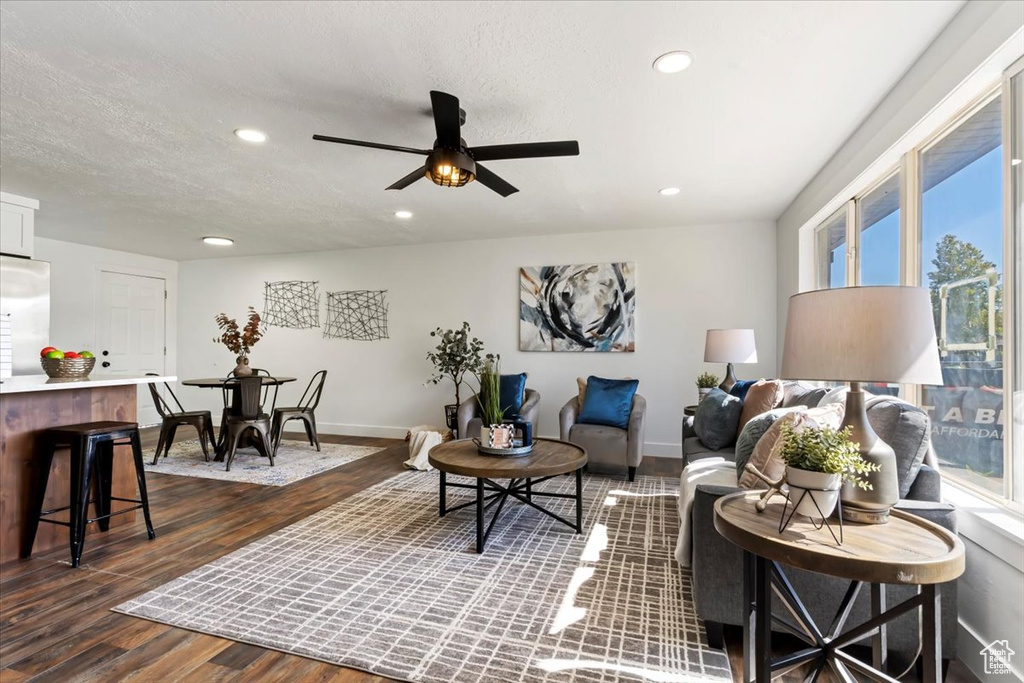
59 364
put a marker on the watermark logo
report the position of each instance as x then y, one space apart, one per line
997 656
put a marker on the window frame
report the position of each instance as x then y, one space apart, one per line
910 201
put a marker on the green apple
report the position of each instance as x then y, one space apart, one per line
86 354
55 354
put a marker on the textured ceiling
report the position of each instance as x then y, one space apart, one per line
118 116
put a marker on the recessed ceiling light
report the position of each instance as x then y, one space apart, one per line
219 241
403 214
673 62
251 135
668 191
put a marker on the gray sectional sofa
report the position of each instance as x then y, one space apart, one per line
717 564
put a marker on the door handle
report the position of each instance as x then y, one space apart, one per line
105 364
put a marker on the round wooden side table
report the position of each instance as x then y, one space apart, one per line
906 550
550 458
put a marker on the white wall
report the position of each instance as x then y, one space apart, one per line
965 60
688 279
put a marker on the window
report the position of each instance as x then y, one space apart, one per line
830 247
951 218
1015 240
961 257
878 227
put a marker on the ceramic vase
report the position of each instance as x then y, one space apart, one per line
702 392
821 488
242 369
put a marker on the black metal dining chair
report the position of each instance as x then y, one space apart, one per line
249 418
171 419
305 411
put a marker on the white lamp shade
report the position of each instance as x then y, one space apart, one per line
862 334
730 346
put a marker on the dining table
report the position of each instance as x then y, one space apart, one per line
234 407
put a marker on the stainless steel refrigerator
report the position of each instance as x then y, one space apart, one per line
25 304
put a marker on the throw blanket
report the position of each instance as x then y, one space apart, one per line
718 471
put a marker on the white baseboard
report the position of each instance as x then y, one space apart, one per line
969 646
657 450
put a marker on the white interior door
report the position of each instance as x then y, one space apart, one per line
131 331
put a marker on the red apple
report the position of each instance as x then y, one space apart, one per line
42 354
72 354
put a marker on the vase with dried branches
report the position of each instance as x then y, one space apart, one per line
239 340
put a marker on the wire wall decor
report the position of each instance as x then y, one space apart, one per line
291 303
360 315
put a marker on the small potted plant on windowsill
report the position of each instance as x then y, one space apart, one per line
456 354
705 383
818 461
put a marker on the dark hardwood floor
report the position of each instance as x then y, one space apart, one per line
56 623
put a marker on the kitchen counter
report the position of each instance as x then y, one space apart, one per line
30 404
25 383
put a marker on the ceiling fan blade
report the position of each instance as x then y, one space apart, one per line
446 118
488 179
375 145
526 150
408 180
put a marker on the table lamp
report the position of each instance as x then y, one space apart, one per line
863 334
729 346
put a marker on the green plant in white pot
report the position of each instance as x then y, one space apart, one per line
818 461
493 433
705 383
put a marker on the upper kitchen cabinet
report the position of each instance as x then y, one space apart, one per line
17 224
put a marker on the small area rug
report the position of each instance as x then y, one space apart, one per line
295 460
378 582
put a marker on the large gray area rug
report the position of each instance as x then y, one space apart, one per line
378 582
295 460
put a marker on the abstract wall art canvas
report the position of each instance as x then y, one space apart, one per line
587 307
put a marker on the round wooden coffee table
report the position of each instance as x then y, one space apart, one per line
905 550
550 458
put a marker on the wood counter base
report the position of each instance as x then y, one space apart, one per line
25 416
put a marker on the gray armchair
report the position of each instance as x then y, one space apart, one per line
469 414
717 564
608 448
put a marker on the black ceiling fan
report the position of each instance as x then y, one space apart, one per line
450 163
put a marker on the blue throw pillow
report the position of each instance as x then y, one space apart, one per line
717 419
740 389
512 394
608 402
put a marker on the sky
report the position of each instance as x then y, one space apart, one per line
968 205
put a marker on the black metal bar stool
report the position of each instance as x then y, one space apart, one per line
92 455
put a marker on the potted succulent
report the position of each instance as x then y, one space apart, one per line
705 383
493 433
818 461
239 341
456 354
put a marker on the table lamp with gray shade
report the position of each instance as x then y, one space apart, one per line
863 334
729 346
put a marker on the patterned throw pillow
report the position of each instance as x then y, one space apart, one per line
753 431
716 419
766 456
764 395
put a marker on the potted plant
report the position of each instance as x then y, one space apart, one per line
456 354
818 461
705 383
493 433
240 341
